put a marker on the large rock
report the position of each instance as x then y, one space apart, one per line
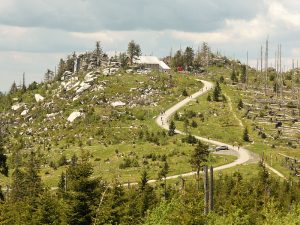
25 112
17 106
83 87
38 98
73 116
118 103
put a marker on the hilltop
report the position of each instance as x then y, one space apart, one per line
83 145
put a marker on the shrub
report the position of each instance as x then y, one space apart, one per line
189 139
194 124
185 93
62 161
127 163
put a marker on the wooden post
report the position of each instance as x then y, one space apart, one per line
66 188
206 192
182 183
211 189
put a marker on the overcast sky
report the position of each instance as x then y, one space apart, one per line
35 34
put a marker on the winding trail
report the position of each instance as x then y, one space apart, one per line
163 121
243 154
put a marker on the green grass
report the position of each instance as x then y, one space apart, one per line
217 124
106 161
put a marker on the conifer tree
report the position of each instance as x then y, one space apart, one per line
147 196
172 128
3 157
13 88
244 74
199 158
98 52
49 210
133 50
233 76
246 135
163 175
240 104
188 58
217 92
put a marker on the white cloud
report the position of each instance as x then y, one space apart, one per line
34 32
280 13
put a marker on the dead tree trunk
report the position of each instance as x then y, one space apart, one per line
211 189
206 191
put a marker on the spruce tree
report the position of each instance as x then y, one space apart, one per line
240 104
172 128
13 88
49 210
246 135
199 158
233 76
133 50
244 74
188 58
217 92
3 157
163 175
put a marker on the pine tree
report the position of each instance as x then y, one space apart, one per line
244 74
217 92
98 52
177 60
172 128
61 69
23 84
48 76
246 135
162 174
188 58
62 182
133 50
49 210
144 180
176 116
32 178
18 187
13 88
240 104
147 196
3 157
123 60
233 76
199 158
208 98
83 193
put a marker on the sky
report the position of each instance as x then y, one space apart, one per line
35 34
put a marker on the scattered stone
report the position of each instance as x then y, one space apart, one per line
73 116
99 88
38 98
25 112
51 115
132 89
17 106
83 87
75 98
118 103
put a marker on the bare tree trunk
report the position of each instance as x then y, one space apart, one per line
206 192
211 189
